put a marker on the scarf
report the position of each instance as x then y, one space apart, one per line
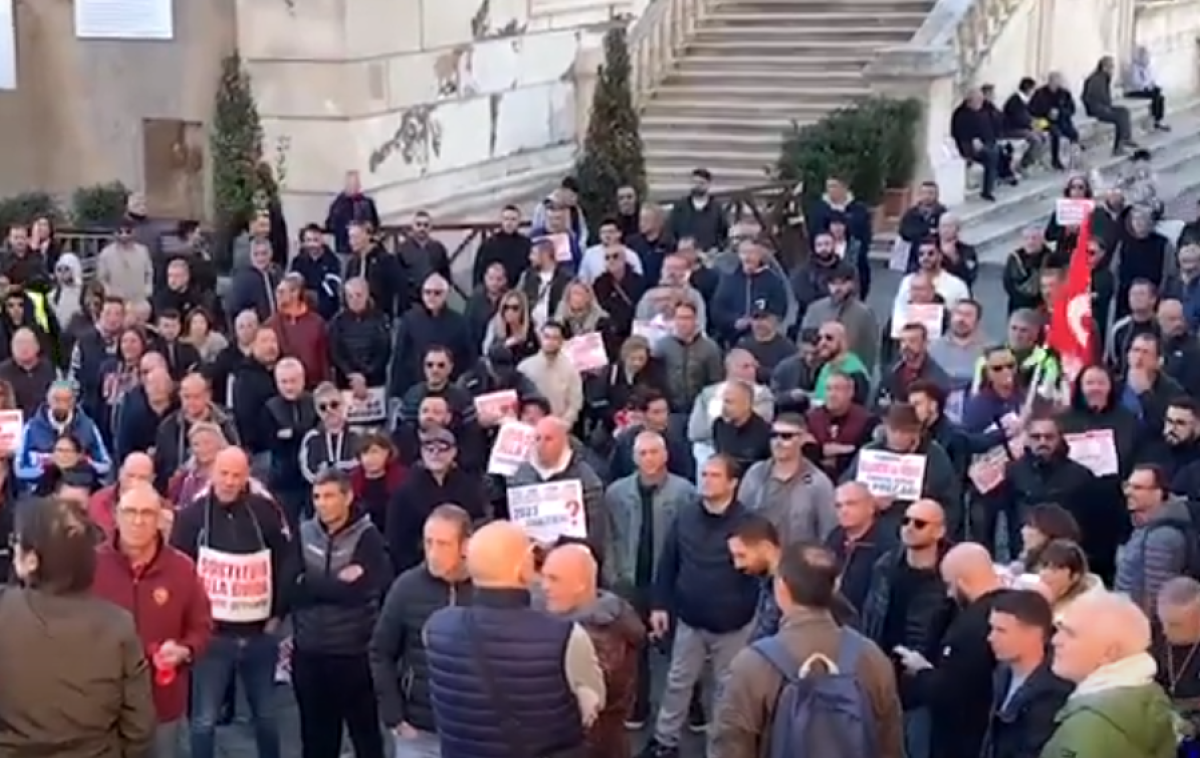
1133 671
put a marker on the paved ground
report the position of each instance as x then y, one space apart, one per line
237 742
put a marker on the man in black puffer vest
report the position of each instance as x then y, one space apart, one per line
504 679
398 663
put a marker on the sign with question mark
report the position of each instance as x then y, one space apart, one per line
549 510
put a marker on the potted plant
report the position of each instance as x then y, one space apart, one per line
901 120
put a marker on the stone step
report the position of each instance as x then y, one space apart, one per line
717 99
662 123
805 36
849 6
784 76
734 44
681 139
795 64
785 16
670 179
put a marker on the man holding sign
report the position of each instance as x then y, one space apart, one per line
553 461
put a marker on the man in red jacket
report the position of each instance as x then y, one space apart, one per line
156 583
137 469
301 331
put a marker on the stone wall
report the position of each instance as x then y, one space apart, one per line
79 113
429 101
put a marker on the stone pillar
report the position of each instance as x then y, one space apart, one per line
585 72
928 75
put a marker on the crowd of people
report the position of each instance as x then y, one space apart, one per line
477 532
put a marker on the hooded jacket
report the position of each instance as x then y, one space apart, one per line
37 444
67 299
740 293
1155 552
323 277
1130 717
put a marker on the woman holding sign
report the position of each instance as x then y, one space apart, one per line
1103 435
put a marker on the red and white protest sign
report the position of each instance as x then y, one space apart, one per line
1071 211
562 246
1095 449
587 352
12 425
987 471
513 441
893 475
502 404
238 585
549 511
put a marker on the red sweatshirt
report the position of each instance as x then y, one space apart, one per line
302 335
168 602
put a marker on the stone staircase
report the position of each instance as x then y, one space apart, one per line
750 68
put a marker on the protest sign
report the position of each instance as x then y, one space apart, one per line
238 585
653 331
891 475
562 246
987 470
511 449
370 410
12 425
1095 449
1071 211
929 315
549 511
502 404
587 351
956 403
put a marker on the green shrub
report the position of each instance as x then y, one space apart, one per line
871 145
100 206
26 207
612 149
236 148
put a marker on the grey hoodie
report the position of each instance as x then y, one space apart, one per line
1155 552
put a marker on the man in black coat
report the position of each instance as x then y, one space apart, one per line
1026 695
957 686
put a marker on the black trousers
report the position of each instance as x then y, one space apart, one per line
332 690
1158 104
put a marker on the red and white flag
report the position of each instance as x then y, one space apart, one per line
1072 332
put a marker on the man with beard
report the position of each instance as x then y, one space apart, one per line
957 685
914 365
1143 300
1185 285
949 287
321 270
1179 452
1181 350
1023 268
958 350
700 216
810 282
508 247
844 305
1148 389
1046 474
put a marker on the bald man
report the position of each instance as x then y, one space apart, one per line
1117 709
244 556
159 587
143 409
555 458
958 691
502 674
138 468
28 372
569 586
171 449
858 541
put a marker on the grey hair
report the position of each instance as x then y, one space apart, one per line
1027 317
1116 616
1180 591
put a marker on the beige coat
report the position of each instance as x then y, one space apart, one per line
558 381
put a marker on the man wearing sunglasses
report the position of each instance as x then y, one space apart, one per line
430 323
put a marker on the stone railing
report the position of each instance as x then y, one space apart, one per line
657 38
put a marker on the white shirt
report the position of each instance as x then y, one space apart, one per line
950 287
591 266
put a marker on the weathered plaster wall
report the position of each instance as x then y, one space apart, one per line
427 100
77 113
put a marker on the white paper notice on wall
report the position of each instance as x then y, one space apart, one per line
8 46
124 19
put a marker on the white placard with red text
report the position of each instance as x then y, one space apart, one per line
368 410
502 404
893 475
988 470
562 247
511 449
238 585
1095 449
929 315
587 351
549 511
1071 211
12 425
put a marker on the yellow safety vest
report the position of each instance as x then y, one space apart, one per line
40 314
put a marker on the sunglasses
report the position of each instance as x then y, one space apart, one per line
613 257
436 447
782 435
511 307
915 523
1003 367
332 405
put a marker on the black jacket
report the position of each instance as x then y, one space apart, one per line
252 289
172 448
1045 100
857 560
385 275
285 424
1181 361
708 225
181 357
331 616
399 669
1017 117
416 499
420 330
360 343
958 689
29 386
345 209
970 124
1021 727
619 300
746 444
509 250
253 387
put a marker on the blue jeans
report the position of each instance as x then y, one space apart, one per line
252 659
918 733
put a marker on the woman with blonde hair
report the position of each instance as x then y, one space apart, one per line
578 310
512 326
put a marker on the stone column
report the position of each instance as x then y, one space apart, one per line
928 75
585 73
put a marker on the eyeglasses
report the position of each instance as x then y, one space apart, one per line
332 405
436 447
435 364
779 434
1002 367
915 523
138 514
